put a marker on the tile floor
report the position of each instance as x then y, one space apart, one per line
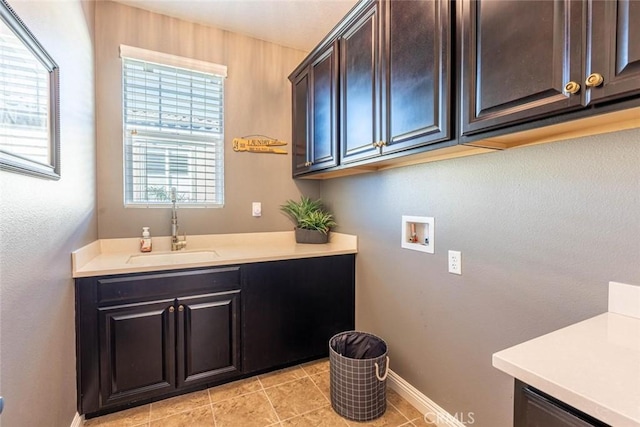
292 397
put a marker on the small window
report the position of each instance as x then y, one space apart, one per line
173 120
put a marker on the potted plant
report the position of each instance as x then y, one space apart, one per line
312 222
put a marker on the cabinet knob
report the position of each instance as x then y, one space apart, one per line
307 164
572 87
181 307
383 143
594 80
375 144
172 309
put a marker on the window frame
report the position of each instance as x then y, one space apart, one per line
214 145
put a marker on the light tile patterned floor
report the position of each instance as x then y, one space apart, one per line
292 397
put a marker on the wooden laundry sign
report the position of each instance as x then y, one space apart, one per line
259 145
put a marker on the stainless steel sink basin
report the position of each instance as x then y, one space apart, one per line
165 258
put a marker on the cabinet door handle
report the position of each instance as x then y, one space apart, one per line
181 307
572 88
172 309
594 80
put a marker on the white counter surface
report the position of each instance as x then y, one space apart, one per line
593 366
112 256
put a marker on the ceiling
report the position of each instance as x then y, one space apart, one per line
299 24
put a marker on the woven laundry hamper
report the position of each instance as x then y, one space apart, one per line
358 366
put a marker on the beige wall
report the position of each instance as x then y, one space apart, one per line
42 221
258 101
542 230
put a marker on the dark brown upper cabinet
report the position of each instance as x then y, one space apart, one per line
416 74
315 107
426 80
300 122
517 57
525 60
360 87
395 78
614 48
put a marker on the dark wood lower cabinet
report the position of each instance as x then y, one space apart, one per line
533 408
147 336
208 344
136 351
292 308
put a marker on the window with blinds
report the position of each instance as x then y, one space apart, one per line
173 134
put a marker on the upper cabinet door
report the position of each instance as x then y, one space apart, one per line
615 48
517 57
416 67
324 110
300 121
359 100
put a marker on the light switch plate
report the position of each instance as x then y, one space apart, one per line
256 209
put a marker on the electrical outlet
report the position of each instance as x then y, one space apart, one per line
455 262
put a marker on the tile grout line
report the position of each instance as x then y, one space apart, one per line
213 412
399 411
264 391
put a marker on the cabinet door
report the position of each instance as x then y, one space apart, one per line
324 103
137 350
417 68
300 120
292 308
517 57
615 48
359 88
208 336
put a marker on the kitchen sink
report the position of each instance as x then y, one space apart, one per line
182 257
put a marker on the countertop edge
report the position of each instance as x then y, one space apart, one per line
590 406
340 244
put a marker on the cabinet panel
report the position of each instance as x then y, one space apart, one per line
359 103
324 144
137 352
208 337
515 68
300 108
292 308
615 49
417 68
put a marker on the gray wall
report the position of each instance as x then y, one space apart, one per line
42 221
258 101
542 231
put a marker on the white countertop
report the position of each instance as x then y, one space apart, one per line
593 366
111 256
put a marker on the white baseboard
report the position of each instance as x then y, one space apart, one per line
78 421
431 410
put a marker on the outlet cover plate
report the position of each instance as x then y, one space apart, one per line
455 262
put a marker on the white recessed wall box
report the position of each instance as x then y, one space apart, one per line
417 233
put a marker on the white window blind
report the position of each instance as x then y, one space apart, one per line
24 101
174 135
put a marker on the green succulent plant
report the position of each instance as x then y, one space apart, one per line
308 214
